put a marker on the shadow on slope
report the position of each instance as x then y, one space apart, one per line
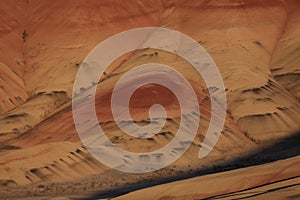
286 148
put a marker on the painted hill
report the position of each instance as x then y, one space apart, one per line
255 44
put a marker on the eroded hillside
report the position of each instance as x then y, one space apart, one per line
255 45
